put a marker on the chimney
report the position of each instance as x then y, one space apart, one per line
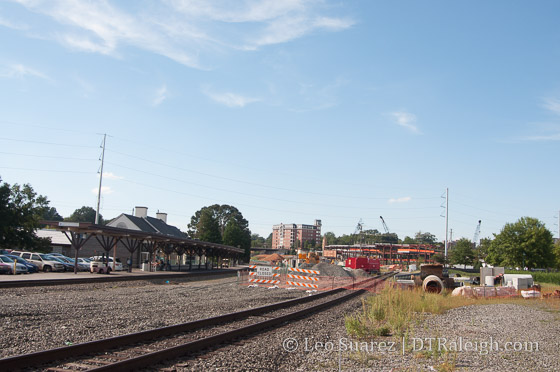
141 212
162 216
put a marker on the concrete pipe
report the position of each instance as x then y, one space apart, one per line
432 284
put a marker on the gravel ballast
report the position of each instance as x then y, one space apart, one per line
315 342
39 318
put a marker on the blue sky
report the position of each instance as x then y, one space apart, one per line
289 110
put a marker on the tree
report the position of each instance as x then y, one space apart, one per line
222 214
439 258
557 253
408 240
525 243
51 214
256 240
268 241
424 238
236 237
84 214
462 253
207 228
331 238
233 235
482 249
20 212
388 238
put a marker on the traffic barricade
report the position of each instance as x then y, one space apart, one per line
291 278
264 274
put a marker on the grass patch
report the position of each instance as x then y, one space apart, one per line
539 276
393 311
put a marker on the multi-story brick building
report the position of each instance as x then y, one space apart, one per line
292 235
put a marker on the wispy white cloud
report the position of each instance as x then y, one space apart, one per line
549 131
20 71
312 97
229 99
160 96
289 28
105 190
400 200
553 105
406 120
111 176
9 24
183 30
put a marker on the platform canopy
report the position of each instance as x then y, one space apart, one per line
90 229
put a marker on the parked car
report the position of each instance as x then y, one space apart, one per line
82 265
117 267
99 266
43 261
20 269
84 260
71 261
68 266
31 268
6 268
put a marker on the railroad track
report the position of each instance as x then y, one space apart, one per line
140 350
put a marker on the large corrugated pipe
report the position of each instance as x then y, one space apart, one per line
432 284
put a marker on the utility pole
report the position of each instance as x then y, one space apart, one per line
100 180
446 221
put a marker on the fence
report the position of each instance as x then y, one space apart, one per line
293 278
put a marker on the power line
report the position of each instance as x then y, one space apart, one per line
47 156
260 196
256 184
46 170
45 143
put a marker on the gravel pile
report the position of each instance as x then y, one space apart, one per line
331 270
38 318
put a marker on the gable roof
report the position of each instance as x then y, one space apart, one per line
155 225
164 228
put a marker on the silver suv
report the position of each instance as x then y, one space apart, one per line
43 261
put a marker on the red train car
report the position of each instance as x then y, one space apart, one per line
371 265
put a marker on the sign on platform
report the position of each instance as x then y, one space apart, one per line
264 270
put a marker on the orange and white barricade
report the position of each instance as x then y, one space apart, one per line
264 274
313 279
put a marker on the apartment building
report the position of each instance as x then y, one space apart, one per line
292 235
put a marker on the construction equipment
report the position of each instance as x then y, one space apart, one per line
384 225
370 265
310 258
476 234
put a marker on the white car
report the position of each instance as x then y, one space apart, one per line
43 261
118 266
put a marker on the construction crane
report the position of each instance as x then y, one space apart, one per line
476 233
358 232
384 225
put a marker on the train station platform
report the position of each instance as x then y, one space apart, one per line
66 278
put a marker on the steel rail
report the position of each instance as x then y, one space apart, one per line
67 352
146 360
47 356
